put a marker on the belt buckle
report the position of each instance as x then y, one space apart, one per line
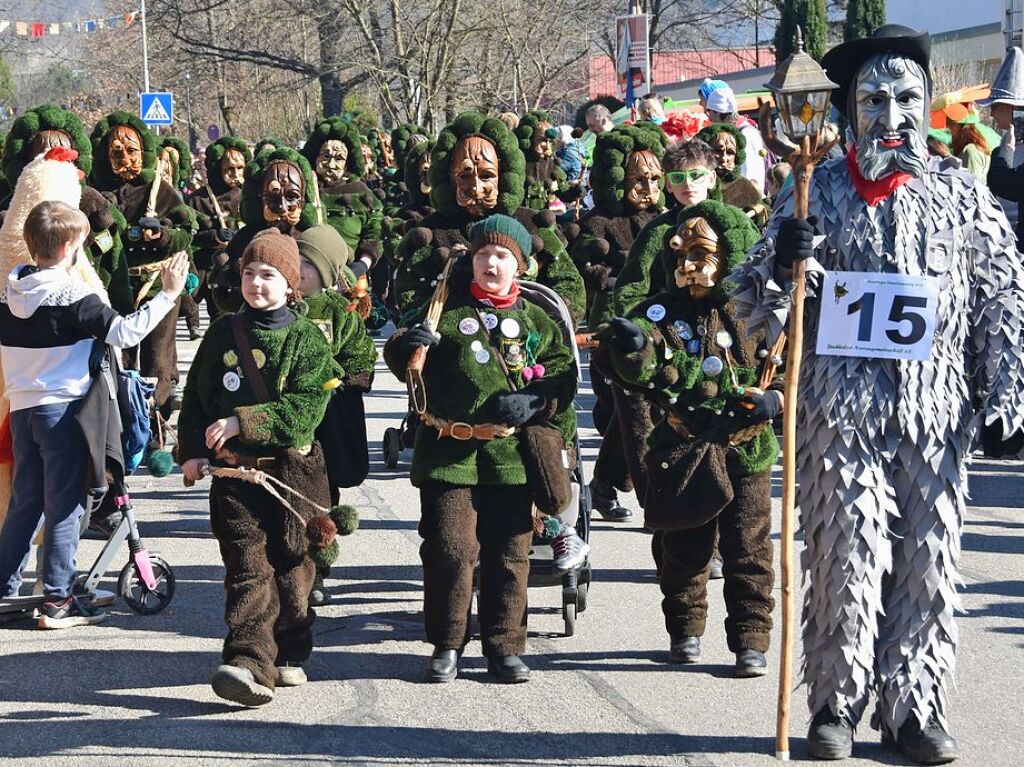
459 428
265 463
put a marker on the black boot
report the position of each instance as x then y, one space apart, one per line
750 663
928 745
830 736
685 650
605 501
444 665
508 669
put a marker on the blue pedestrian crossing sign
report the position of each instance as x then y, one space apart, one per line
156 108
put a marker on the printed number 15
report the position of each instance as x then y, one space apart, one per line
900 311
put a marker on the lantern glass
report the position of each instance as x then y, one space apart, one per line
803 113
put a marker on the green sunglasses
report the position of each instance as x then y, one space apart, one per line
680 177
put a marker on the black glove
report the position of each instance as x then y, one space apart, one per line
795 241
995 446
765 407
629 337
517 407
414 338
225 235
359 268
151 223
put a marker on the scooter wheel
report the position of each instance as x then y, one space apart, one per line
392 447
138 596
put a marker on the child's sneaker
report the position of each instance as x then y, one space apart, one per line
237 684
290 675
570 550
70 611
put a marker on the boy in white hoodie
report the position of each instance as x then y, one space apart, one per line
48 323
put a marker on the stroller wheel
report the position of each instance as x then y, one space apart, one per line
136 594
581 597
569 616
392 444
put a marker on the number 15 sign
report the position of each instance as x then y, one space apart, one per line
877 315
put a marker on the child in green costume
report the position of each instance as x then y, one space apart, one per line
225 422
496 363
342 433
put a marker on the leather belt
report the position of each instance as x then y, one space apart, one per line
464 432
243 461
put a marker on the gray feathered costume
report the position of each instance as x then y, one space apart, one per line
882 443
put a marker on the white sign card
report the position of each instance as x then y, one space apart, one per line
877 315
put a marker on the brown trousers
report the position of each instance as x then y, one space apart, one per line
268 575
748 558
157 356
459 525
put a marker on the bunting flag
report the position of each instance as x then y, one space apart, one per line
37 29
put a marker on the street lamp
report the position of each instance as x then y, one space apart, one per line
802 92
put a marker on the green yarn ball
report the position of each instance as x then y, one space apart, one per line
160 463
346 518
325 557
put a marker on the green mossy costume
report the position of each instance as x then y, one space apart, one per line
733 188
107 225
225 281
671 376
208 241
351 207
459 388
402 141
607 233
178 220
264 548
422 257
417 204
352 348
544 176
183 167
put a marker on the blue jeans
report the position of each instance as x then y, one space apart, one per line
49 483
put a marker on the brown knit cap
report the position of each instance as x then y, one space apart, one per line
277 250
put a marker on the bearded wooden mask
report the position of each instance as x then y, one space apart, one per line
331 161
542 145
475 175
643 176
283 194
698 259
232 168
44 140
367 157
124 152
724 144
387 153
166 162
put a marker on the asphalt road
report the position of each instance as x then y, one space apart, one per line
134 690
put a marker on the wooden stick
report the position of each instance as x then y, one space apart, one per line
802 161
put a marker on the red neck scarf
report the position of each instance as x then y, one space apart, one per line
873 192
490 299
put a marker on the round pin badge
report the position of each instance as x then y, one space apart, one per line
468 326
711 366
231 381
490 321
259 357
702 330
509 327
230 358
476 345
723 339
483 356
684 329
655 312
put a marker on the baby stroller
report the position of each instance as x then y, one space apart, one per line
146 582
575 584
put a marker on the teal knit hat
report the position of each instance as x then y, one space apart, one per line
504 231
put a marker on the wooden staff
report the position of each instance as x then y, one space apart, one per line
803 161
414 369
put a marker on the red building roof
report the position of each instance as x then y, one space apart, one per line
676 66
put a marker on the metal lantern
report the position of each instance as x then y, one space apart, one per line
802 91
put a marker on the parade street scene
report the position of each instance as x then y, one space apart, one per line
609 382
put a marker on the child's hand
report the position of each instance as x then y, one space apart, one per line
193 469
219 432
173 274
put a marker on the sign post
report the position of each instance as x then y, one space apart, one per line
633 57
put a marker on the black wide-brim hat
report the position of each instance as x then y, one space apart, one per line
842 63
